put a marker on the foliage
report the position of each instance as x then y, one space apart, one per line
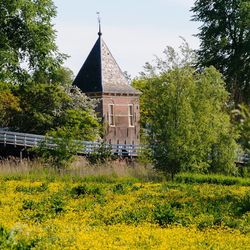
225 39
61 75
211 179
41 105
58 149
101 155
99 215
71 127
163 214
82 190
242 120
45 107
186 118
27 40
244 204
59 111
9 105
62 144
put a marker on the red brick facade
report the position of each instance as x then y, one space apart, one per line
124 128
101 77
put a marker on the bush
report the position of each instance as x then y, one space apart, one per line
43 187
101 155
163 214
244 204
82 190
119 189
211 179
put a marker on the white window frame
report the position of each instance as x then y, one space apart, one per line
131 116
111 115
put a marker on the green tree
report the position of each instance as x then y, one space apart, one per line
242 120
225 42
41 105
63 113
27 39
62 75
45 107
67 140
9 105
185 115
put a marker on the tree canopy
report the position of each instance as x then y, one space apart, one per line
47 106
9 105
27 39
225 42
185 116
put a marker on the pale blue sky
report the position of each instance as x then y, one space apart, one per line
134 31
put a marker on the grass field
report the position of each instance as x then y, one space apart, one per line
48 210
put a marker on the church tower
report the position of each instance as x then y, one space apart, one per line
101 77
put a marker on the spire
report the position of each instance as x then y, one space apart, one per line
100 72
99 22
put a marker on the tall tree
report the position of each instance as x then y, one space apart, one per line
27 39
185 116
225 42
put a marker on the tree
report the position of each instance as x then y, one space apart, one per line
78 126
185 115
242 120
225 42
27 39
46 106
9 105
41 105
62 75
63 114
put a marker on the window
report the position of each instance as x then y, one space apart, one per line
111 115
131 120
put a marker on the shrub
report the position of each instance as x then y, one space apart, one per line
119 189
101 155
136 216
57 203
82 190
163 214
28 204
43 187
211 179
244 203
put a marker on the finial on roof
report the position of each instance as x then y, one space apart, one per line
99 22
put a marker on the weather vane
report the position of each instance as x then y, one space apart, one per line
99 22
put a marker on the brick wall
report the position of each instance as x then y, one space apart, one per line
121 132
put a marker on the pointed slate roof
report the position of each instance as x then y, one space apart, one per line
101 73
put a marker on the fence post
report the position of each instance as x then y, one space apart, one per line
4 139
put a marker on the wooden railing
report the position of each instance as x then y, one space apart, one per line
85 147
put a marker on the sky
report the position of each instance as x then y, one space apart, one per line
134 31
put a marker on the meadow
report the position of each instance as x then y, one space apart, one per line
120 208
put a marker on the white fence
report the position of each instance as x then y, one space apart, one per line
85 147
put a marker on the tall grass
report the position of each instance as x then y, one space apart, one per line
108 172
79 170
